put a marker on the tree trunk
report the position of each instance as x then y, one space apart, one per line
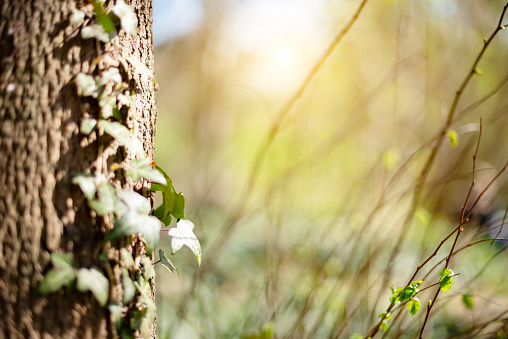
41 149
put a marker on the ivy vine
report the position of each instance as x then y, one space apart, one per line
130 212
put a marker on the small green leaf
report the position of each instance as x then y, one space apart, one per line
135 202
61 260
97 31
126 15
140 169
384 326
106 202
133 223
87 126
56 279
127 258
478 71
86 183
93 280
118 313
429 303
107 105
181 235
102 17
453 138
86 85
446 281
178 210
166 262
129 289
467 300
122 134
413 306
112 74
422 216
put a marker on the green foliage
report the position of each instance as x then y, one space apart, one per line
167 263
446 280
173 203
467 300
413 305
94 281
63 274
403 294
181 235
140 169
129 289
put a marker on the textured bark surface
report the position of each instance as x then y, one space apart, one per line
40 151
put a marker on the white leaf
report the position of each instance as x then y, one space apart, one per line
183 235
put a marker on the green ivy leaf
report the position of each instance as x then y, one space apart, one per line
122 134
93 280
140 169
467 300
97 31
182 235
127 16
127 258
129 289
446 281
106 202
133 223
102 17
61 260
172 203
87 126
86 183
413 306
56 279
167 263
86 85
107 105
134 202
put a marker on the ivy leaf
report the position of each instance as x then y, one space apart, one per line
467 300
112 74
446 281
106 202
133 223
122 134
140 169
87 126
148 270
97 31
61 260
56 279
102 17
93 280
172 203
182 235
126 15
107 105
127 258
86 85
167 263
413 306
86 183
135 202
129 289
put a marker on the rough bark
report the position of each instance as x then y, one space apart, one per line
41 149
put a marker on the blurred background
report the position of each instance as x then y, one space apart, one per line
306 218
